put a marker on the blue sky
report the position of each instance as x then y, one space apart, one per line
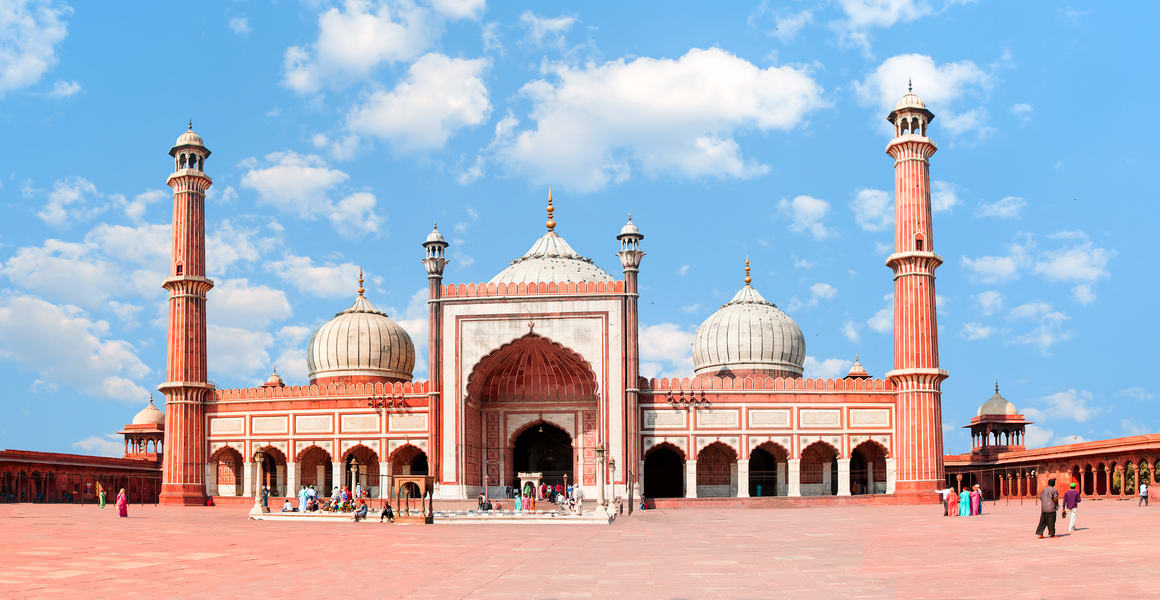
340 130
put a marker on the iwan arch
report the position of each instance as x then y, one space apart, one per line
538 370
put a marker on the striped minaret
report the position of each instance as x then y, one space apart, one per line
186 386
916 375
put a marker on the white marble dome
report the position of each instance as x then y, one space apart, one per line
360 341
997 405
189 138
149 415
749 334
909 100
551 259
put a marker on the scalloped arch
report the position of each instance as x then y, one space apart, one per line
532 368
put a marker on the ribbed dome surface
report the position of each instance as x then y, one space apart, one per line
360 341
149 415
551 259
997 405
910 100
749 334
189 138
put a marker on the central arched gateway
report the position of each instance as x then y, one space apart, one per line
531 406
546 449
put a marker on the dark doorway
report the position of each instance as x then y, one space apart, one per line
664 473
762 473
543 448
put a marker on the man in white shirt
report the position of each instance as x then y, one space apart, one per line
1143 495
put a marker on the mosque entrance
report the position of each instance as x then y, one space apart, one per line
664 473
543 448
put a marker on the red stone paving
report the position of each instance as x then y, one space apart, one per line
829 552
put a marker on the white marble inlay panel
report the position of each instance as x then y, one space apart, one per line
357 423
408 422
821 417
313 423
269 425
764 417
870 416
717 418
664 419
227 425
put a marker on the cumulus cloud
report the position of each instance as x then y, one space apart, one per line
135 208
977 331
826 368
237 353
790 24
805 214
873 209
240 26
944 195
328 280
30 31
1023 112
997 269
459 9
1008 207
951 90
883 320
358 37
1048 325
239 303
65 89
1071 405
304 186
439 96
850 330
72 199
109 444
818 292
1084 263
355 215
546 30
989 302
60 344
615 122
666 350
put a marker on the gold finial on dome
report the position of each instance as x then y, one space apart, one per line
996 386
151 399
909 85
747 277
360 282
551 209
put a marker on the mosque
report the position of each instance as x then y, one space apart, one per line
537 370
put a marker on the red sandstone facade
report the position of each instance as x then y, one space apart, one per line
538 369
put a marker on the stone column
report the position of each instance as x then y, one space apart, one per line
211 479
843 477
795 476
279 478
741 477
248 477
383 482
782 483
690 479
826 476
869 477
336 477
292 480
891 474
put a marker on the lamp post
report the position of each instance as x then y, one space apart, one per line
259 458
600 474
612 478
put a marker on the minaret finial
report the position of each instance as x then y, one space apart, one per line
151 399
996 386
747 278
360 282
551 209
909 85
191 123
435 224
275 369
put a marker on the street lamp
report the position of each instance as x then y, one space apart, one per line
259 458
600 474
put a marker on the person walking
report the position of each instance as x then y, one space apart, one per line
1048 503
965 502
1071 504
952 503
1143 494
101 494
122 504
976 500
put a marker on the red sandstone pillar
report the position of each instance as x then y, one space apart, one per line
916 376
435 262
186 385
630 257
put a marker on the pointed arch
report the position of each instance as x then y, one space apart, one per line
532 368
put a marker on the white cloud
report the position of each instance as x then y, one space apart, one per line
801 263
1008 207
989 302
72 199
818 292
1048 325
943 196
1023 112
667 349
357 38
1136 393
1083 293
790 24
614 120
459 9
683 270
355 215
1037 436
62 345
947 89
873 210
238 303
65 89
977 331
1069 404
324 281
1132 427
228 244
805 213
236 353
64 270
439 96
29 34
1084 263
827 368
883 320
136 208
992 269
240 26
850 330
546 30
489 35
109 444
293 183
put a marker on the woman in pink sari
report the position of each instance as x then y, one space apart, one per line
122 504
976 500
952 503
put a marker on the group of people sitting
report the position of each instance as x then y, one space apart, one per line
965 503
570 499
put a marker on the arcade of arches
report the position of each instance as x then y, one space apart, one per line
1100 476
526 401
767 471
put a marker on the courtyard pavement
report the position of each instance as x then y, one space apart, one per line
54 551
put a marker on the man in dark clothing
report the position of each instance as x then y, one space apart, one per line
1048 503
1071 505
